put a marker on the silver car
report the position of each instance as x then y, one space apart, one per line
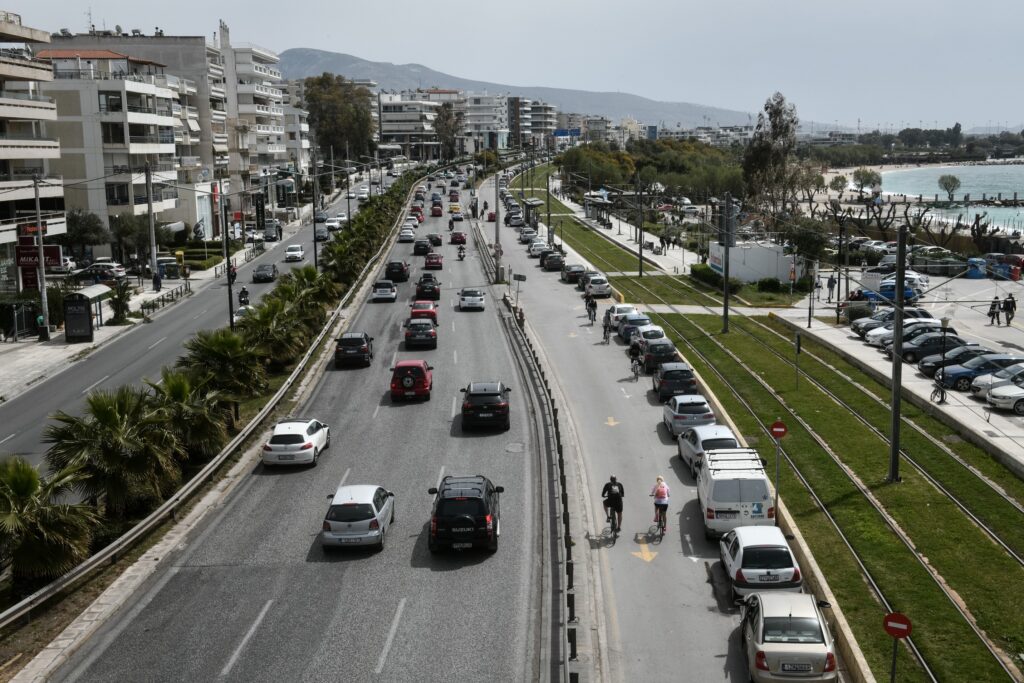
471 297
385 290
360 514
785 637
686 410
982 386
693 441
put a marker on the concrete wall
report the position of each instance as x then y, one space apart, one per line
752 261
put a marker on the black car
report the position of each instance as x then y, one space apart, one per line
671 379
927 344
428 288
958 356
265 272
543 255
420 332
554 262
466 514
486 404
353 347
320 217
571 272
655 352
421 247
396 271
435 239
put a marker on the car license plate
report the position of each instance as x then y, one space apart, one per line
286 456
768 578
725 515
485 414
459 546
803 668
350 540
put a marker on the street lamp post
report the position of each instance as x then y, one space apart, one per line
945 324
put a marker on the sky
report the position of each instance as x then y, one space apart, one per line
870 64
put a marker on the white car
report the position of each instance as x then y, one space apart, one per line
689 210
983 385
359 514
616 311
296 442
67 264
471 297
363 196
879 335
342 217
527 235
406 236
294 252
385 290
757 558
692 443
332 224
1008 397
599 286
645 332
241 312
351 194
537 247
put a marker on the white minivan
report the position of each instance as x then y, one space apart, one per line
733 491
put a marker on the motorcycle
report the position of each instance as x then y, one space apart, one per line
462 254
451 224
243 298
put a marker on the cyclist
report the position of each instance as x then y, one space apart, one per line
613 493
661 495
634 355
591 308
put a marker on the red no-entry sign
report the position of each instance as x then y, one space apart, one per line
897 625
779 429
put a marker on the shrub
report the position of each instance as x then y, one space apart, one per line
855 310
769 284
704 273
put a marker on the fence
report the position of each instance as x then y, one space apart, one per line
172 295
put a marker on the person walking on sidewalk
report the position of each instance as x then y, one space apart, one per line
993 312
1009 308
831 286
157 281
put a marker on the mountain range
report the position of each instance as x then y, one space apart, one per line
305 62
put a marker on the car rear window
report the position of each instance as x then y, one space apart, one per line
740 491
450 507
792 630
350 512
472 292
691 409
383 285
353 342
405 372
678 375
286 439
767 557
484 399
712 444
653 334
639 322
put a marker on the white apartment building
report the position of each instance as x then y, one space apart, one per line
409 124
26 151
487 121
543 121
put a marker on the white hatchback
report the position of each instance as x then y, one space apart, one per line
294 252
471 297
296 442
758 558
599 286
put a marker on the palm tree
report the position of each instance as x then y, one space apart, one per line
221 360
41 536
306 293
272 331
196 416
122 443
119 298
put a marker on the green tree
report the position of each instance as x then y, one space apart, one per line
221 360
340 113
865 177
122 443
41 534
838 184
194 414
768 159
446 125
120 297
273 333
809 182
83 229
949 184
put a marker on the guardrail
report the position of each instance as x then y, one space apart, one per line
172 295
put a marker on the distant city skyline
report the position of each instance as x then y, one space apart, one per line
882 65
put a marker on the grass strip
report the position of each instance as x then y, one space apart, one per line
599 251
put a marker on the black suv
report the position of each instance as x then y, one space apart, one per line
428 288
466 514
671 379
486 403
353 347
396 271
421 247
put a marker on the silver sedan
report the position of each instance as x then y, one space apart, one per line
686 410
359 514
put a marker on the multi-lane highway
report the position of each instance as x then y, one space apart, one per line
253 596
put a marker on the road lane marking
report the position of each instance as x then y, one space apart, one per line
453 414
623 390
252 630
375 411
391 637
455 357
196 316
344 477
645 554
394 357
150 347
99 381
453 326
611 421
440 476
8 437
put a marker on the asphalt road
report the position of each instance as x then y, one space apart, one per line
252 596
667 606
139 353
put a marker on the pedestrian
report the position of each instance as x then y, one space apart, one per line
157 281
993 312
817 287
831 286
1009 308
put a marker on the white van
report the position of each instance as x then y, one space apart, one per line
733 491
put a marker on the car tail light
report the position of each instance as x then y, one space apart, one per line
306 446
739 578
709 513
761 661
830 663
433 525
796 573
374 524
501 407
466 405
771 513
327 525
490 524
408 333
364 349
433 333
394 384
267 447
708 415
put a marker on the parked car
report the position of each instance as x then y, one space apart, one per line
353 347
672 379
879 335
656 352
599 287
466 514
646 333
692 443
571 271
959 377
758 558
982 385
412 379
265 272
915 332
686 410
420 332
615 312
553 262
1009 396
631 321
296 441
486 404
784 636
359 514
957 356
584 279
884 316
927 344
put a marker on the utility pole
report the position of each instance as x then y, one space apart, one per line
152 219
497 229
316 203
640 224
332 170
227 255
725 220
551 236
897 355
43 301
348 186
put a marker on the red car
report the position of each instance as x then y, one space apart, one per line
419 217
424 309
490 216
458 238
433 261
416 209
436 210
412 379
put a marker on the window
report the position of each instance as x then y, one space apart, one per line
711 444
740 491
792 630
350 512
286 439
767 557
455 507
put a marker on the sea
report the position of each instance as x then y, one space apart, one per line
975 180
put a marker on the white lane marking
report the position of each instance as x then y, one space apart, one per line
455 357
11 435
453 414
391 637
94 384
344 477
394 357
252 629
453 326
196 316
376 410
624 392
150 347
440 476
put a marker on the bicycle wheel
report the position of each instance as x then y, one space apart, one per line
938 395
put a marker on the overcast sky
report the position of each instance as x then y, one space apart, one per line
899 62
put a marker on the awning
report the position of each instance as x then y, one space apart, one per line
177 226
220 148
193 125
94 292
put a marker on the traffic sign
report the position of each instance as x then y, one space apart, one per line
779 429
897 625
519 277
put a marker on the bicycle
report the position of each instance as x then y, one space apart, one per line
938 393
662 513
592 315
612 518
607 333
636 369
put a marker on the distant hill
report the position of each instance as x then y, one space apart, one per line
305 62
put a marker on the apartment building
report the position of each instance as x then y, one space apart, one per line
409 123
27 147
543 122
487 121
596 129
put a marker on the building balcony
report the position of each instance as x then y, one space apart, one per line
303 127
256 69
189 162
13 146
15 187
270 148
218 115
16 105
11 30
214 68
258 90
191 112
258 52
217 92
19 65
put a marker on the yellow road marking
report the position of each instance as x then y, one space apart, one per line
645 554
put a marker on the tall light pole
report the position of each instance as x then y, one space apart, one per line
44 334
316 204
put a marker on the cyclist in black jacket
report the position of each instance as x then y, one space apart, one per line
613 493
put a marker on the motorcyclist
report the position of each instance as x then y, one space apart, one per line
462 252
232 274
451 224
243 296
